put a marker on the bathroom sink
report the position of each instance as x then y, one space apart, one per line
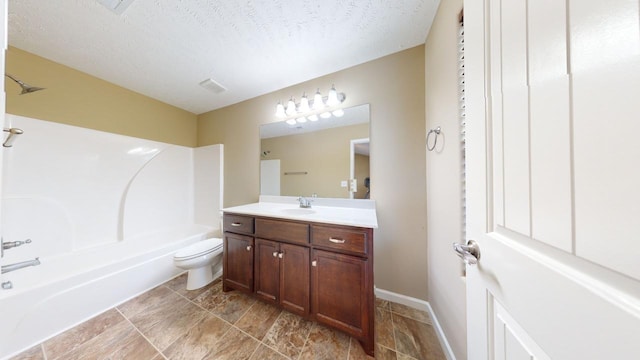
298 211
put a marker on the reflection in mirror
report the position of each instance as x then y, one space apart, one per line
328 157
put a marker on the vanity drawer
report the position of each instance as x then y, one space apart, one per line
339 238
238 224
282 230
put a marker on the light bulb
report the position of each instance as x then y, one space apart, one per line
332 100
338 113
313 117
301 119
291 121
291 107
304 104
325 115
280 110
318 104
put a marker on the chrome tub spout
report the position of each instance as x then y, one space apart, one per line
8 142
20 265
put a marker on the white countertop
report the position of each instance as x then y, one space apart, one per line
361 213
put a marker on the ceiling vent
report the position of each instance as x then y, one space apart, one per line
212 86
117 6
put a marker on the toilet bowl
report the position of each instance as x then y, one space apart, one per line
200 259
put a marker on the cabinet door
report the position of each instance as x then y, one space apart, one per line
267 270
294 278
238 262
339 292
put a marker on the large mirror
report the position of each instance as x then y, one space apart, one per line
328 158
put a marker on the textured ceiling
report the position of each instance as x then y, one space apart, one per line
165 48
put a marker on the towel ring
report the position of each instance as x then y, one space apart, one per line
435 131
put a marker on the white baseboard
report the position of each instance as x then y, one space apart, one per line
402 299
448 352
420 305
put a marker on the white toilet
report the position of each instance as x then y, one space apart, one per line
200 259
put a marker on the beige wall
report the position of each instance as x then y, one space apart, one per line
324 155
394 88
447 289
75 98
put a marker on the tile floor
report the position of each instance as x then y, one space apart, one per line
169 322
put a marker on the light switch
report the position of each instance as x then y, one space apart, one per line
354 185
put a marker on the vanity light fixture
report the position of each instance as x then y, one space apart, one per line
280 110
332 99
318 103
312 110
291 108
304 104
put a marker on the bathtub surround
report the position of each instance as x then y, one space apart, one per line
105 214
217 325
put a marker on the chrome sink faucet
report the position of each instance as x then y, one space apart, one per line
304 202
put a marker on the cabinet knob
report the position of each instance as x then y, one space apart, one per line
275 254
314 263
280 255
249 248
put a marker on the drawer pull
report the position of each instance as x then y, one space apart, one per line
275 254
314 263
249 248
337 241
236 224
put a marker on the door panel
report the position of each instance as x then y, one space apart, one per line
238 261
549 124
515 117
551 178
336 301
267 270
511 342
554 300
294 278
605 59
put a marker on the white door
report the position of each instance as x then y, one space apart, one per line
357 146
553 178
270 177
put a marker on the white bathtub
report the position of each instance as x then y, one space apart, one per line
68 289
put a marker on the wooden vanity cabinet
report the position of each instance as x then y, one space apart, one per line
238 243
339 295
282 275
238 262
320 271
342 280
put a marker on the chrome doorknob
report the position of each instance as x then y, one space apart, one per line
470 253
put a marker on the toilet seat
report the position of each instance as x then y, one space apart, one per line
200 248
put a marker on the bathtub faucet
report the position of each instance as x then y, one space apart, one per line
11 244
20 265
